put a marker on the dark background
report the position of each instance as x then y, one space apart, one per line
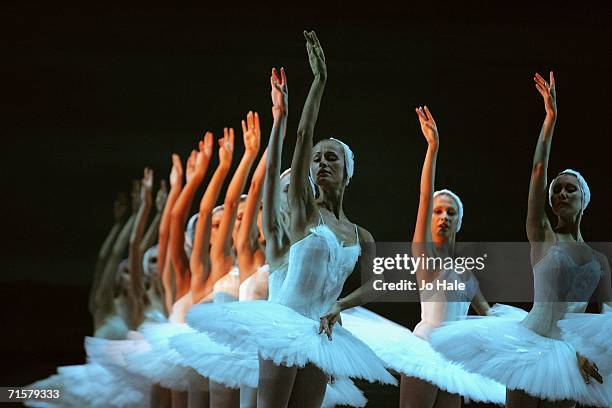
92 95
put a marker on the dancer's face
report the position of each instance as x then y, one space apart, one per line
123 278
566 196
238 220
284 193
151 268
327 164
216 220
444 217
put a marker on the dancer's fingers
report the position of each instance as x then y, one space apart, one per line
593 373
429 117
551 78
584 375
256 120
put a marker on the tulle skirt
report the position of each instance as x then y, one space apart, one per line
240 367
91 385
591 336
410 355
160 363
286 337
503 349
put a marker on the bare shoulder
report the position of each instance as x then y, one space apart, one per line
364 235
604 261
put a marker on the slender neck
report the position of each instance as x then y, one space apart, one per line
332 199
444 247
569 227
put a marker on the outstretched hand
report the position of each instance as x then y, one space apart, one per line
136 187
202 157
226 147
251 133
428 125
548 92
316 57
279 94
191 165
146 185
588 369
162 196
176 174
329 319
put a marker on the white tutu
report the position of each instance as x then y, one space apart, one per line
160 363
286 337
237 368
506 351
591 336
112 355
90 385
343 392
113 328
408 354
216 362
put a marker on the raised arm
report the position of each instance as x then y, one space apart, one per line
196 170
537 224
152 233
135 299
120 213
247 240
421 240
105 293
199 262
301 200
176 185
222 247
273 228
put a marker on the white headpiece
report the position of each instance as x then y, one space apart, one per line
149 253
584 188
349 159
457 201
190 231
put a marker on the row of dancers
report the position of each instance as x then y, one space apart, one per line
239 305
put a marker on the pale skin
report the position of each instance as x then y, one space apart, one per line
434 236
566 203
135 300
202 281
221 251
248 248
153 283
281 386
176 185
120 212
197 164
274 226
105 294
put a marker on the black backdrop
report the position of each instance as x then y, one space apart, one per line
93 94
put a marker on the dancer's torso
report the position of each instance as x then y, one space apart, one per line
255 287
318 267
561 285
227 288
441 306
275 281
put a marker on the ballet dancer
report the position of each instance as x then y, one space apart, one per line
528 356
